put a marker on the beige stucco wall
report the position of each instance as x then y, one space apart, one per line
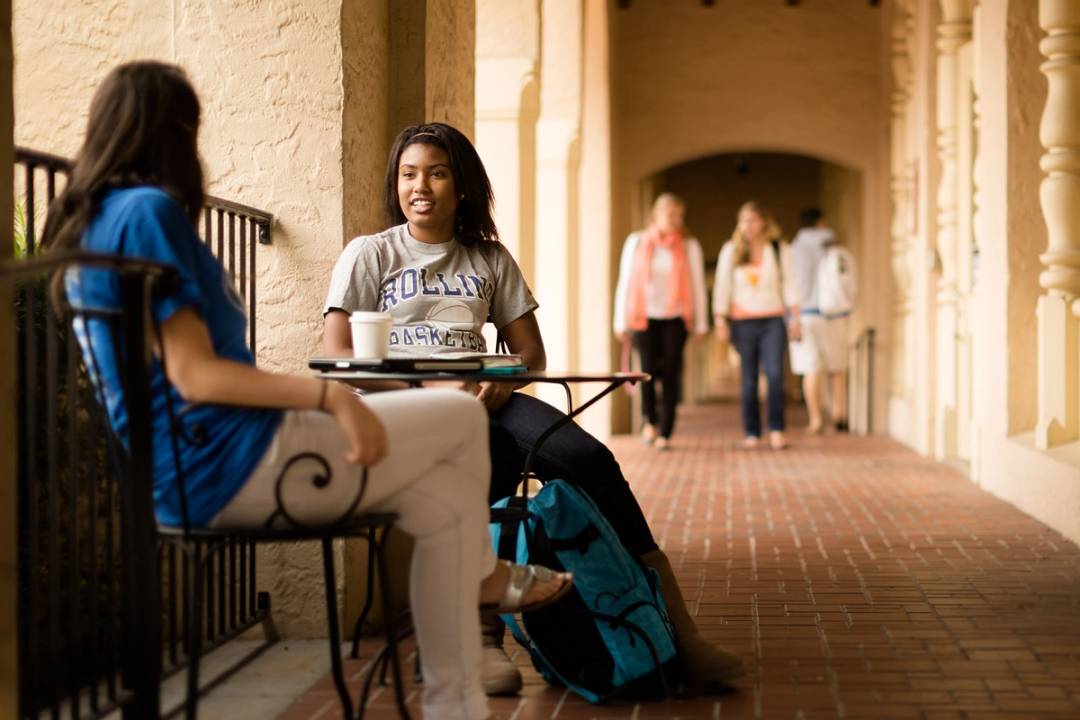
62 51
8 639
365 128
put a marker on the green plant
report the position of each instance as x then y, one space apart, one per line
20 230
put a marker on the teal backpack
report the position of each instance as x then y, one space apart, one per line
608 637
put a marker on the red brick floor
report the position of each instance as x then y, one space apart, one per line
856 578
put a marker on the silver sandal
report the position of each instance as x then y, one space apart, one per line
521 578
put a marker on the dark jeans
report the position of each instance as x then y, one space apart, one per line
761 343
660 346
570 454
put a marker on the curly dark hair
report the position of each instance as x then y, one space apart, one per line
474 221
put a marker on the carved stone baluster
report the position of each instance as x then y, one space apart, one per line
953 32
1059 194
901 186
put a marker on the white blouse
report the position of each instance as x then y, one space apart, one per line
753 291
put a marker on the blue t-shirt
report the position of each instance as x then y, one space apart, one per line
221 445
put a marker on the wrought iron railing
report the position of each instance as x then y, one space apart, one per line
88 618
70 599
861 383
231 230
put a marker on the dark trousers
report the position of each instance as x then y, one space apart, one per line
761 343
660 346
570 454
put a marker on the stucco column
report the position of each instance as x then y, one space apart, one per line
506 114
952 33
1059 193
557 161
556 232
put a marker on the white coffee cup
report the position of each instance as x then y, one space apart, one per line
370 334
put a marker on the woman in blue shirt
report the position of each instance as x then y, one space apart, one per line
136 189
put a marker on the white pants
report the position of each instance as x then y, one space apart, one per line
436 479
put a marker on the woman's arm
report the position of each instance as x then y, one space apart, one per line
622 287
696 261
722 290
200 376
789 292
523 338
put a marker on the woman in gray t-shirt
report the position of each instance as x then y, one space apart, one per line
441 273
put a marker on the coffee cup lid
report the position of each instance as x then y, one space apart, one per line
368 316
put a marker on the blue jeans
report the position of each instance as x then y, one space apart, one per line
761 343
571 454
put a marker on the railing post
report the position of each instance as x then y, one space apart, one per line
1059 194
142 635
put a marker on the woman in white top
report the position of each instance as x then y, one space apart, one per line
659 300
755 288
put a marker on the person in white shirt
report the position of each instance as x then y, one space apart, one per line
659 300
823 347
753 291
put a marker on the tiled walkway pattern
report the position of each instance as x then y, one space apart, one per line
856 578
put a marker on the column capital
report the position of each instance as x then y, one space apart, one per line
955 27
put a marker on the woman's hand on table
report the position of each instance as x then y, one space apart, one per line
363 431
494 395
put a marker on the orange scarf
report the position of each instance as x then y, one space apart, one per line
678 299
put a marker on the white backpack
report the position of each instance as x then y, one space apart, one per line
836 283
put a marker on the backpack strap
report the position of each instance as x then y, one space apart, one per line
579 542
508 531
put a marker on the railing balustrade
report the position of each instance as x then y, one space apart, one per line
70 601
861 383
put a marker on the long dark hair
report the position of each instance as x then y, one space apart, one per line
142 130
474 222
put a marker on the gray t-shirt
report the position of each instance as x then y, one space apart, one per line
440 296
807 249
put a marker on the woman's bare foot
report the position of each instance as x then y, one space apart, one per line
663 444
648 434
750 442
777 441
541 588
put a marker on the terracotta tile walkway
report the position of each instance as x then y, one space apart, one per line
856 578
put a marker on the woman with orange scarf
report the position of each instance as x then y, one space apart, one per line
659 300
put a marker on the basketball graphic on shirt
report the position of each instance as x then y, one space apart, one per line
452 314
